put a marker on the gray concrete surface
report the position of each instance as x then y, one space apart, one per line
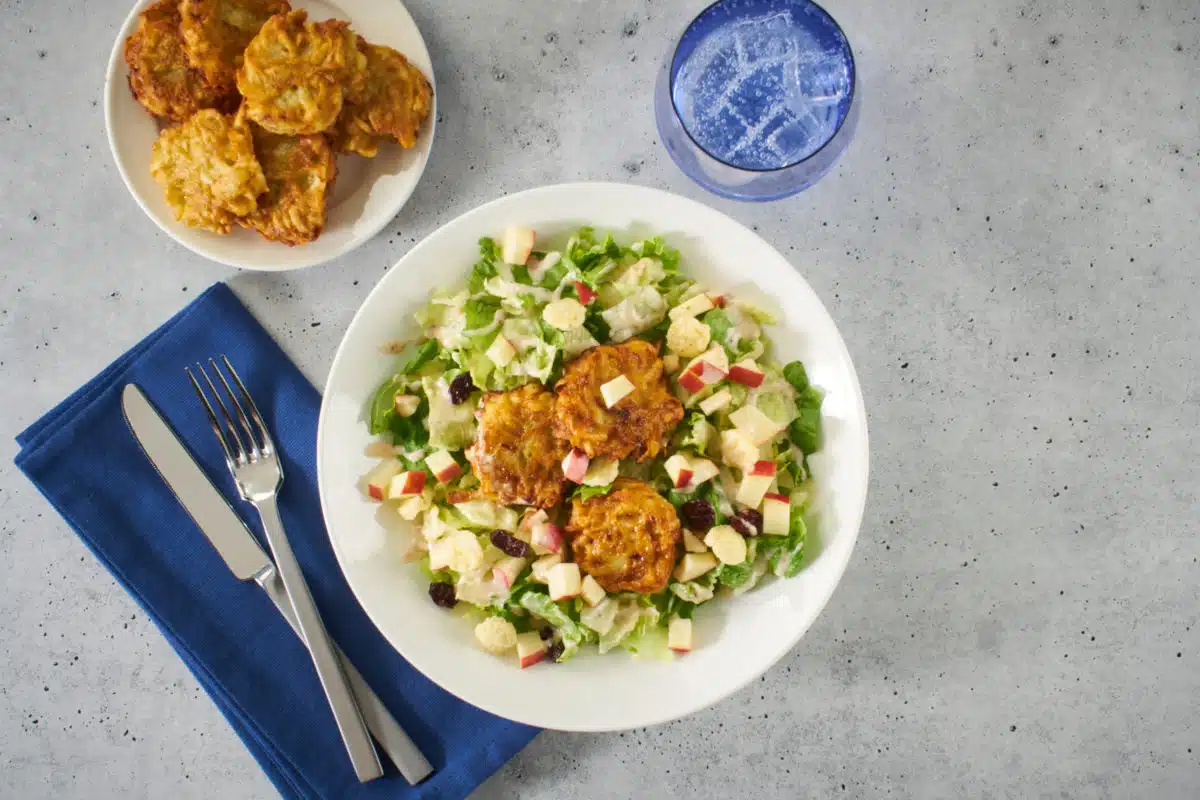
1010 250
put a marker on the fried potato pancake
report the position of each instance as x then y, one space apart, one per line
300 171
159 74
208 169
393 103
516 456
637 426
627 540
216 32
295 73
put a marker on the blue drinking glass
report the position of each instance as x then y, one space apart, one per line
759 98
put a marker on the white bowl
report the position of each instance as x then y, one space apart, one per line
367 194
737 639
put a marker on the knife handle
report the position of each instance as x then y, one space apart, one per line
395 742
329 667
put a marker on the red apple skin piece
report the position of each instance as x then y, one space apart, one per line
777 497
449 473
718 300
585 292
375 491
763 468
746 377
684 478
691 381
575 465
548 536
533 658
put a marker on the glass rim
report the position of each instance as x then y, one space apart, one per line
810 156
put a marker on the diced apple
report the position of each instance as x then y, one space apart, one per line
546 538
601 472
692 307
727 544
530 519
585 292
710 373
690 380
406 484
716 356
406 404
746 373
530 649
693 565
516 245
592 592
757 426
716 402
679 635
703 470
670 363
718 300
679 469
763 467
752 489
443 466
564 581
501 352
616 390
575 465
692 543
507 569
777 515
380 478
541 567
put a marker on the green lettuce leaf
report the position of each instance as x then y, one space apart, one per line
787 555
585 493
718 323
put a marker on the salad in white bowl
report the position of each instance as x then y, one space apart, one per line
589 446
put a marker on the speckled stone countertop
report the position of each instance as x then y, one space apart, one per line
1010 249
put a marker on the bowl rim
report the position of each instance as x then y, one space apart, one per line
855 515
116 76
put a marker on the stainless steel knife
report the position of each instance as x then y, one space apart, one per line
247 560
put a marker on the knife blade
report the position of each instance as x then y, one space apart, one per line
246 559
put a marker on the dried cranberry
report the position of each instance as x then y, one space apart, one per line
747 522
555 650
461 388
442 594
546 633
699 515
511 545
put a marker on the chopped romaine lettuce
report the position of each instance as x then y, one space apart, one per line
641 310
786 555
719 325
450 426
572 633
586 493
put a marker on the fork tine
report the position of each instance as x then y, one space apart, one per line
255 450
212 417
254 414
241 454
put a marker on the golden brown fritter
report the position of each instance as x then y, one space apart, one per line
627 540
208 169
393 103
300 172
516 456
159 74
295 73
216 32
638 426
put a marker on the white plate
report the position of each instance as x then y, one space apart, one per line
367 194
738 639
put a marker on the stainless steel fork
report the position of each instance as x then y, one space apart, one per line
251 457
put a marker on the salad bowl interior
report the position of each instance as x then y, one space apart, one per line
735 640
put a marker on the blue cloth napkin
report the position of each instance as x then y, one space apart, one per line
85 461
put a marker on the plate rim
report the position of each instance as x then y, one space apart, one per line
113 79
782 647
